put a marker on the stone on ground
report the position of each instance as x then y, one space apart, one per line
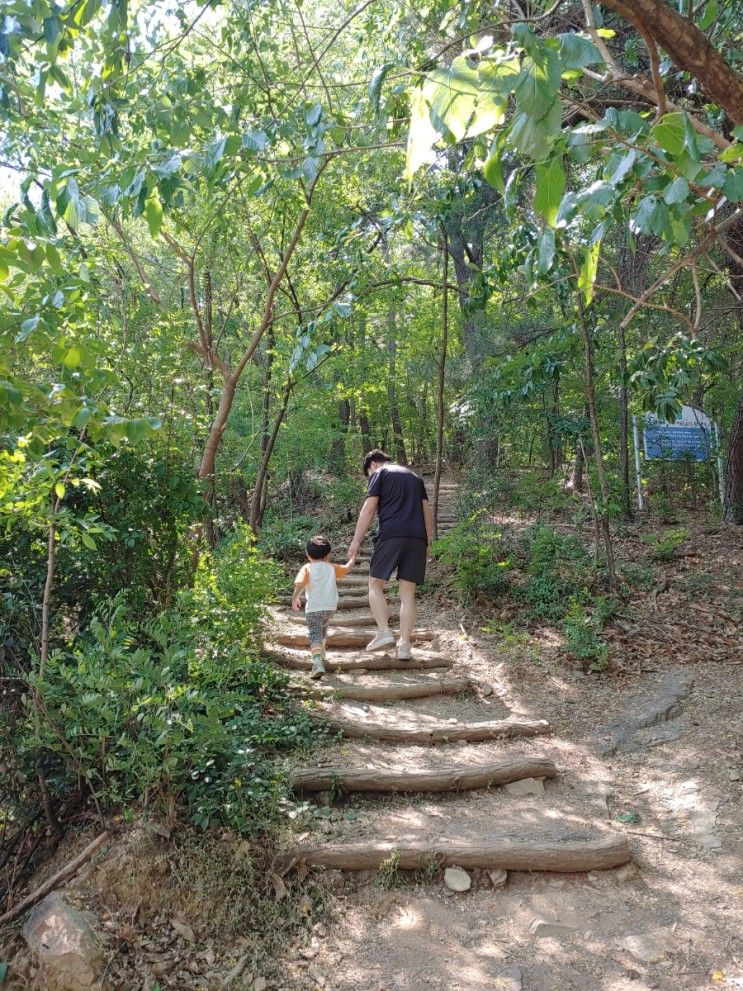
648 947
457 879
498 878
64 944
527 786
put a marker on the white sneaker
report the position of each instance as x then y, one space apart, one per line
404 653
382 640
318 668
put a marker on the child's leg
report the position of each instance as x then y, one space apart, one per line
316 631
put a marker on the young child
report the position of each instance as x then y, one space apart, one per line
317 579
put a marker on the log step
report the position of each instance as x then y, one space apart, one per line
448 777
299 661
491 854
341 638
346 620
433 731
391 691
347 601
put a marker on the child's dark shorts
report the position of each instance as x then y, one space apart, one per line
317 626
407 554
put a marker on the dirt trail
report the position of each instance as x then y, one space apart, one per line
561 921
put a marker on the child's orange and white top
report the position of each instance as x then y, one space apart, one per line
318 579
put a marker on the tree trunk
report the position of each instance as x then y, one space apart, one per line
440 386
258 504
397 432
597 450
690 49
337 458
733 499
624 469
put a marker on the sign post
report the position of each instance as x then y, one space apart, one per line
692 436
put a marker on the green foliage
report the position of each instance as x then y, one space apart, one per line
583 635
178 708
284 538
475 550
665 544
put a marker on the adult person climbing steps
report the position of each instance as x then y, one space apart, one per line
400 499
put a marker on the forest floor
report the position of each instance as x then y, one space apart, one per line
650 749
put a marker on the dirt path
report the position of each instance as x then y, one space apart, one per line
644 771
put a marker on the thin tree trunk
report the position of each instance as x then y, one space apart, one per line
397 432
624 468
440 386
597 450
337 457
258 504
733 498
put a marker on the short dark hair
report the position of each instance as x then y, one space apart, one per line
375 455
318 548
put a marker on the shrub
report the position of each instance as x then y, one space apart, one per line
476 551
178 709
582 631
666 544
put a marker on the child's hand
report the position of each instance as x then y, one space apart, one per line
296 605
352 561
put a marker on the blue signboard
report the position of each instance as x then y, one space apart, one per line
689 437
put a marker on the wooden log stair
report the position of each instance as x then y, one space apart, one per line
357 701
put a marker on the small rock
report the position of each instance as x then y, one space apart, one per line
498 878
543 930
527 786
260 984
513 979
626 872
457 879
647 948
734 775
65 945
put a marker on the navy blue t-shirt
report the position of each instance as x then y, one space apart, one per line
401 493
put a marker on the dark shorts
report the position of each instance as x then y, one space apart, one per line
407 554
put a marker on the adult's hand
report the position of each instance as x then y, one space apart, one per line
353 548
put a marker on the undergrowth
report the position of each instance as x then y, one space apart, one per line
546 576
178 710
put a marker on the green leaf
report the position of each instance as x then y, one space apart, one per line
452 96
52 27
670 132
88 541
691 141
214 152
313 115
375 86
537 86
254 140
4 271
73 357
59 489
576 51
733 187
676 191
4 967
588 269
534 138
493 172
550 187
153 212
546 251
421 137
